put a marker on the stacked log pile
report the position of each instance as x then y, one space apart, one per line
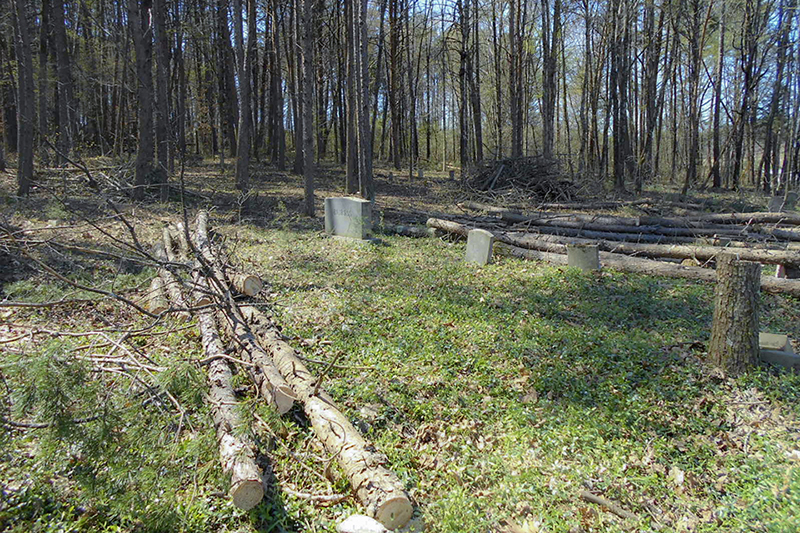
623 256
280 377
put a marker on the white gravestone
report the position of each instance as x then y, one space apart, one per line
479 247
348 217
583 256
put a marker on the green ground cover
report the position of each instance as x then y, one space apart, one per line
498 393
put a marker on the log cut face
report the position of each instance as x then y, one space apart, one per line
377 487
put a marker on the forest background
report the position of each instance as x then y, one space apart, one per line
624 93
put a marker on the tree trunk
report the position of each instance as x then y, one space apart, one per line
307 46
245 66
66 117
734 331
45 31
25 100
139 20
163 133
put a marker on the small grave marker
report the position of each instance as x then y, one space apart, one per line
479 246
777 350
583 256
775 204
348 217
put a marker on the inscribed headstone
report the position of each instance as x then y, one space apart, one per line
348 217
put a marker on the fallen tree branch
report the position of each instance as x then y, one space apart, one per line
608 504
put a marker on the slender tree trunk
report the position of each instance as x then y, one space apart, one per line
307 48
25 99
163 133
716 174
45 30
244 64
66 117
551 28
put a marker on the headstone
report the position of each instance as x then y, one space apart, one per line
774 341
777 350
348 217
775 204
479 246
583 256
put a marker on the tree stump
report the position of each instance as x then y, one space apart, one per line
734 331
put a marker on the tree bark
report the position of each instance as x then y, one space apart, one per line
377 487
139 21
25 100
734 331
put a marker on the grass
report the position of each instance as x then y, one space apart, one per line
498 394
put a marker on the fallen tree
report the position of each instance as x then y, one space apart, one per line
749 218
236 450
707 225
271 384
556 253
378 488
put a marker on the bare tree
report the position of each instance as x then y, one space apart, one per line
25 99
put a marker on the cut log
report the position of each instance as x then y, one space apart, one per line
247 284
237 451
378 488
701 253
271 384
171 284
749 218
556 253
650 267
734 331
672 230
674 251
156 299
183 242
511 215
405 231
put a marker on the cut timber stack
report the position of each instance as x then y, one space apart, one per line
270 383
650 229
237 452
556 253
377 487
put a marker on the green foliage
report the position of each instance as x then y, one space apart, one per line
497 393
